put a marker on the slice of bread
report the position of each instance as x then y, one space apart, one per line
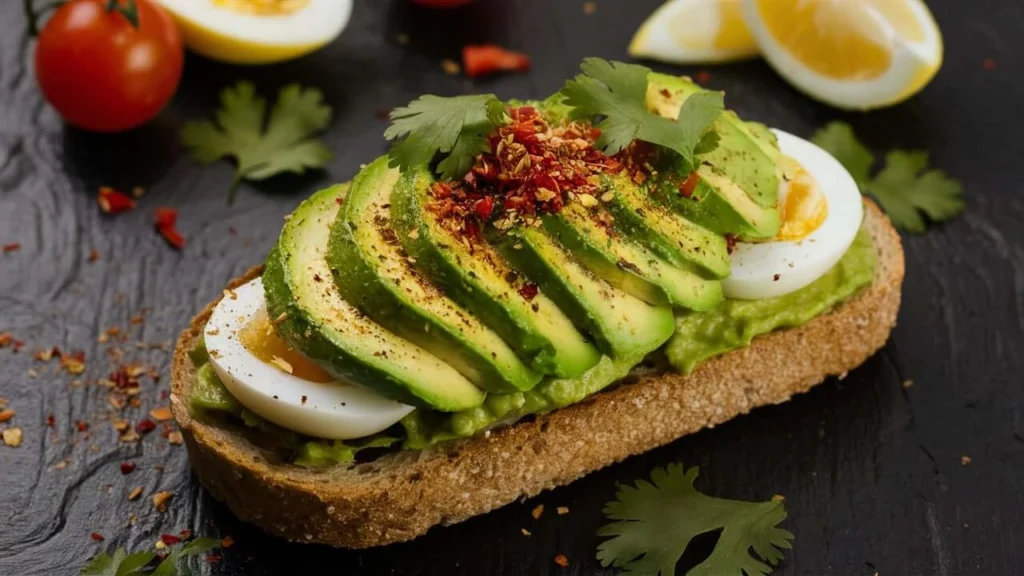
401 495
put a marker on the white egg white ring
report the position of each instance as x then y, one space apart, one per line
800 262
317 23
331 410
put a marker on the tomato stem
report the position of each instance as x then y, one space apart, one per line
128 9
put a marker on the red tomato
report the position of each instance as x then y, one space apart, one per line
103 74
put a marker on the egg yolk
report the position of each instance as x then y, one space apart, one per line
264 7
260 338
804 207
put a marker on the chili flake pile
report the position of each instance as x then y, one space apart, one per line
533 168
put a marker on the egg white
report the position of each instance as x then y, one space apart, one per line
797 263
332 410
228 35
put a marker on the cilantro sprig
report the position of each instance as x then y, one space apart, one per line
908 190
455 127
613 95
285 145
120 563
655 521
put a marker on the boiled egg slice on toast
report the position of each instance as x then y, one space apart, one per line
821 210
258 31
279 384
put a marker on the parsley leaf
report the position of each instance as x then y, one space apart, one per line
169 566
286 145
456 126
906 188
615 93
654 523
120 564
840 141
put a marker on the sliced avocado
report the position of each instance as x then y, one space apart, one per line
321 324
739 180
665 232
374 272
621 323
478 278
626 264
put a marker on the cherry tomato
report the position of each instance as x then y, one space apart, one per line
103 74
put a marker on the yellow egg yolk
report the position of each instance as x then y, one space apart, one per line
264 7
804 207
260 338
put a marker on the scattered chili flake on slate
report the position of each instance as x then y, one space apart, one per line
160 500
483 59
165 219
5 339
145 426
169 539
127 467
94 255
525 532
589 7
703 77
113 202
562 561
161 414
135 493
965 460
97 537
213 558
138 191
81 426
12 437
562 510
227 542
51 420
43 355
74 364
989 64
6 414
536 512
450 67
11 247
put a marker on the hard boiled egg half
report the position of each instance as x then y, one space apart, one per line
821 211
258 31
279 384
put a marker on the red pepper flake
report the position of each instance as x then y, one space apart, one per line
17 345
51 420
113 202
97 537
484 59
227 542
562 561
5 339
689 185
989 64
165 219
94 255
776 277
484 207
11 247
169 539
730 243
127 467
145 426
6 414
528 291
703 77
214 558
82 426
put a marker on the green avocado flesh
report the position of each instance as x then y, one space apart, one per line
479 279
621 324
736 322
739 180
324 326
374 272
628 265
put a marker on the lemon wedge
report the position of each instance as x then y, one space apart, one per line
695 32
854 54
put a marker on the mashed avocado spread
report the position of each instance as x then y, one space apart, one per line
699 336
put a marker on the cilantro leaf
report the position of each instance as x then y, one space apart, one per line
120 564
286 145
614 93
169 565
456 126
838 139
906 189
654 523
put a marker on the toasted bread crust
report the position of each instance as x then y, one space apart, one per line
400 496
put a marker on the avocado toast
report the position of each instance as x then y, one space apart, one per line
584 320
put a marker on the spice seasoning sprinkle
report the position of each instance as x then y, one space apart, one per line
562 561
161 499
11 247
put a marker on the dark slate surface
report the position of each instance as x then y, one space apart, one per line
871 471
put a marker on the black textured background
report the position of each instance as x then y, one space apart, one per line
871 471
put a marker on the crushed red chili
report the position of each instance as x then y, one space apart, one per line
166 220
113 202
11 247
97 537
127 467
145 426
169 539
481 60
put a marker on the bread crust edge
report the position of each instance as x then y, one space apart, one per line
400 496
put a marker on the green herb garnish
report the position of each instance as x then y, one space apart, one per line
654 523
137 564
456 127
906 188
613 95
285 145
